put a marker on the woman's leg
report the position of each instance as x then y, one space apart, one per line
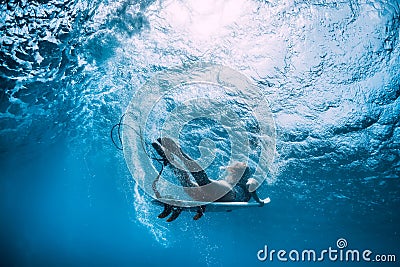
182 175
195 169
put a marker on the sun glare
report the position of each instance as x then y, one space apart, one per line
204 19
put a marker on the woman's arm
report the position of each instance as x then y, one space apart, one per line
251 185
256 198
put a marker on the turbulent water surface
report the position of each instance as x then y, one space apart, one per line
329 69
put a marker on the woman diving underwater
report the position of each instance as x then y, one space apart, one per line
237 187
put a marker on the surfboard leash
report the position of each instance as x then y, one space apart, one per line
117 127
119 124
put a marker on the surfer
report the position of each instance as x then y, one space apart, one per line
238 186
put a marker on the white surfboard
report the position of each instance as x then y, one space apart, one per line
213 206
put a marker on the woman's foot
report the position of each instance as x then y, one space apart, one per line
173 149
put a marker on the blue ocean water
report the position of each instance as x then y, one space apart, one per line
69 69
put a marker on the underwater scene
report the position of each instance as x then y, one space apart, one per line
305 92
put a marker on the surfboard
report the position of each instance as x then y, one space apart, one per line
211 207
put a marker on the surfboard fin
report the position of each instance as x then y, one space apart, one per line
175 213
200 212
167 211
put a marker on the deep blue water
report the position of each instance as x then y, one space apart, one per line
329 70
